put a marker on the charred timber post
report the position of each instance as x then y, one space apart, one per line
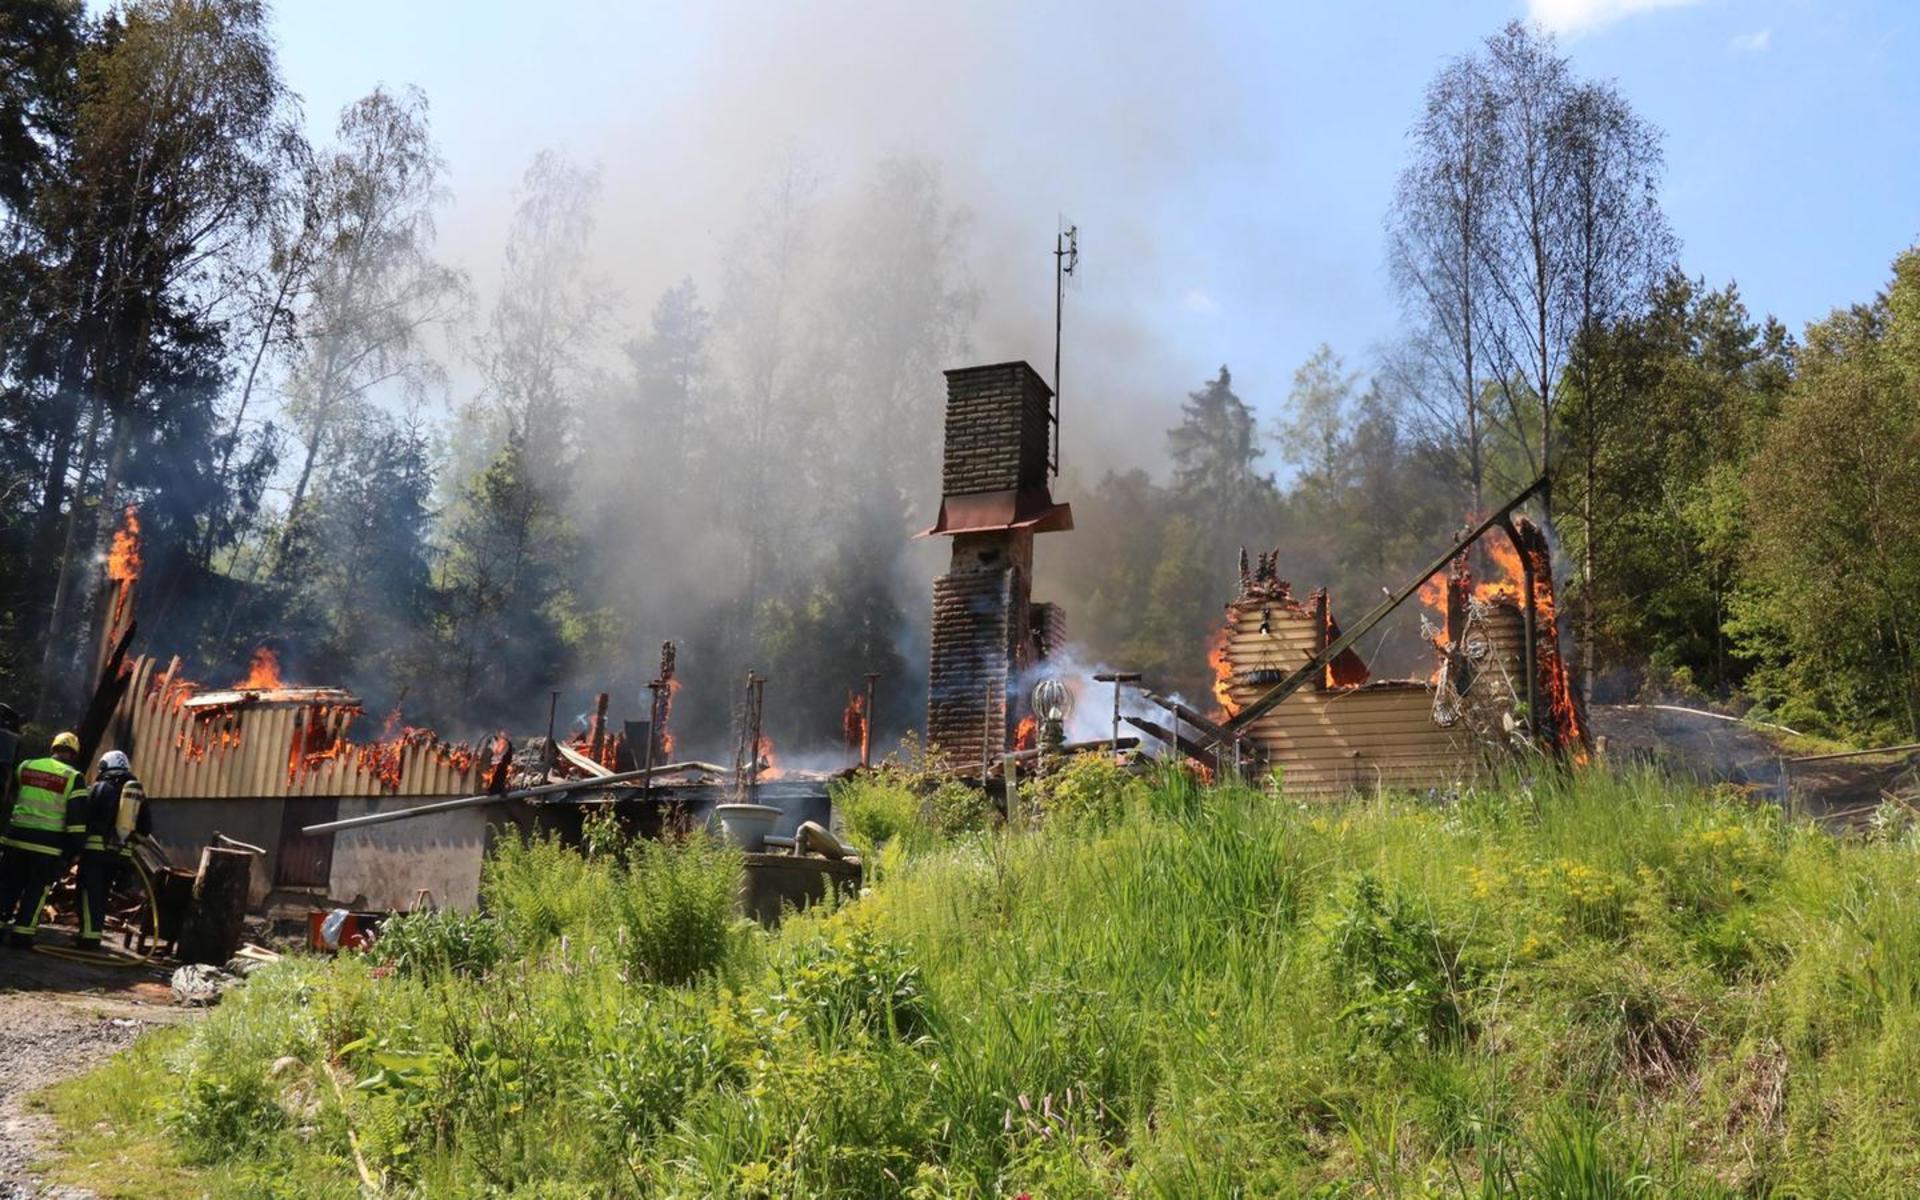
598 737
546 753
1530 662
1318 663
653 725
866 724
756 698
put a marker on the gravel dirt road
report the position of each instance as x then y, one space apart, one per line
58 1019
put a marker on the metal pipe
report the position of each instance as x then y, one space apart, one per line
545 789
986 737
1191 716
1905 749
1306 674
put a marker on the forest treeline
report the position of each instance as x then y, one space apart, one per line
337 448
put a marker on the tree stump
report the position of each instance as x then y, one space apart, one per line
211 932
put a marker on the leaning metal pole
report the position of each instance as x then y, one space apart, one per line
475 801
1306 674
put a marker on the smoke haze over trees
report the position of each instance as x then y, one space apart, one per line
453 492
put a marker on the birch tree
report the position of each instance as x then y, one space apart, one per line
362 266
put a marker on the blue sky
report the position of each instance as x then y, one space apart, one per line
1229 164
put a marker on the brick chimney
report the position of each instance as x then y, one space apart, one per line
986 628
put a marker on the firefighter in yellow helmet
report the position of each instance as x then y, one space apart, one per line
49 821
116 820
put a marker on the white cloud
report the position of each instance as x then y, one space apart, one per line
1751 43
1575 17
1198 301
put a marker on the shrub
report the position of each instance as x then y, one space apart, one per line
674 908
1402 977
225 1111
423 943
539 889
879 808
1090 791
853 979
1571 1161
652 1063
956 808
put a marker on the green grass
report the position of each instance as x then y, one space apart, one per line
1589 987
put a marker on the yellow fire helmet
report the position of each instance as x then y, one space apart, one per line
67 741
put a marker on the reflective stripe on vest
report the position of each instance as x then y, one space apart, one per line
24 840
45 785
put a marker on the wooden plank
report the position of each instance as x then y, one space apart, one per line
581 761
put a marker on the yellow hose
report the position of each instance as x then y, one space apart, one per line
105 958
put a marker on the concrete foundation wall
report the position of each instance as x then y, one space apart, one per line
389 864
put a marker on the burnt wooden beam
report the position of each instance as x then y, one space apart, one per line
105 701
1306 674
1188 715
1185 745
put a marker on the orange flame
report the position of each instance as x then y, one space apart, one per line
319 731
853 722
610 745
769 765
123 561
1510 588
263 675
319 736
1026 735
1225 705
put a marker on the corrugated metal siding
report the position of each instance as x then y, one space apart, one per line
249 748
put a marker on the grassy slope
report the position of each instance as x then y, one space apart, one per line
1589 988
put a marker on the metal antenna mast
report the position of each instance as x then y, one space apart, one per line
1066 256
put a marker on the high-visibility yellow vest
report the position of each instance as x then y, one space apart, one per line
41 806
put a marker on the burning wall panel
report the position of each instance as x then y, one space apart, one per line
1341 733
1329 740
184 748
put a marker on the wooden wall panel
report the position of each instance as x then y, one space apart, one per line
1328 742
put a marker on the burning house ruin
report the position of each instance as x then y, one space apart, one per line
1291 695
390 817
262 759
1343 731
